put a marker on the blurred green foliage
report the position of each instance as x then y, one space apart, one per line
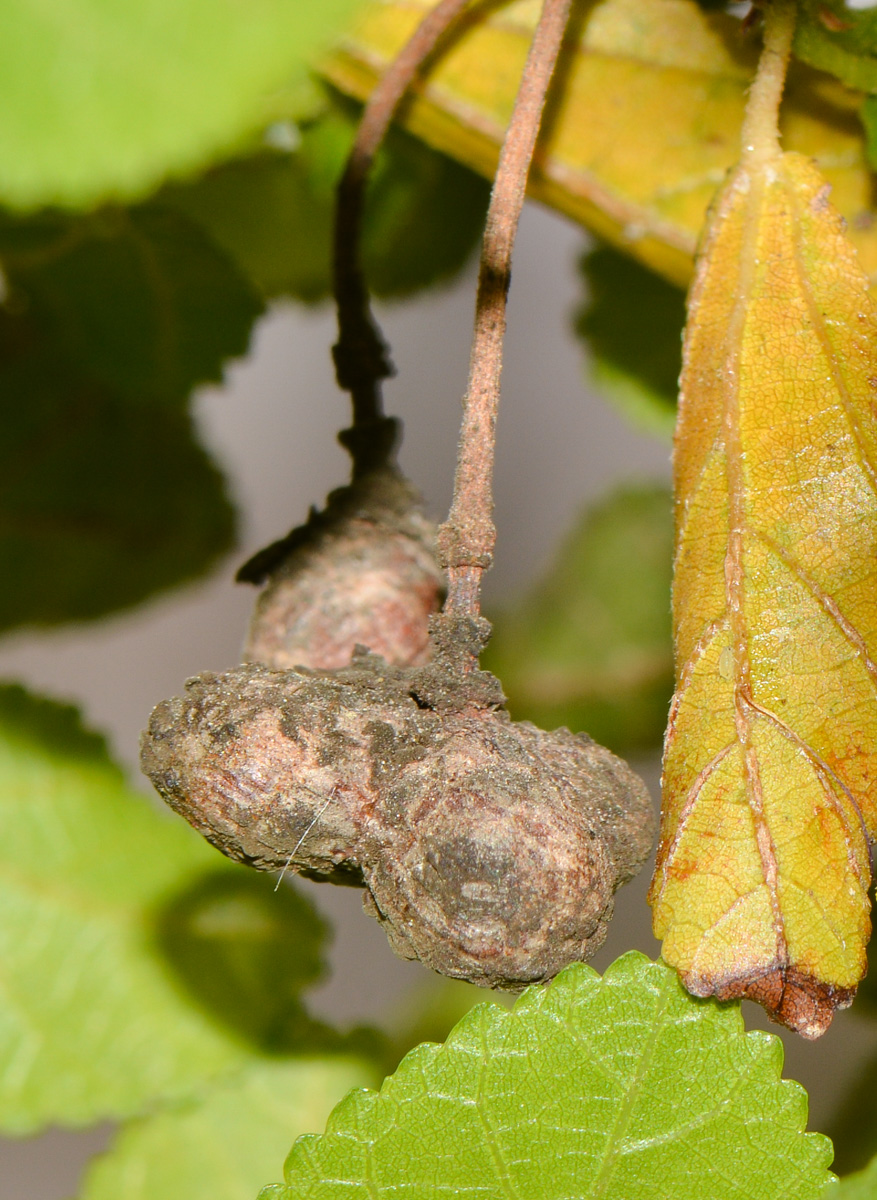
631 324
589 646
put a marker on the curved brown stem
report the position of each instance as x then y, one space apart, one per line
467 538
360 354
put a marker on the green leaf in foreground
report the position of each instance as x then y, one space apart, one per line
102 502
589 647
623 1087
272 211
95 1019
839 39
102 100
141 298
226 1144
632 325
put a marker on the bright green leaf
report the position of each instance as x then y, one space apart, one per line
101 99
434 1011
589 647
272 211
839 39
623 1087
632 324
102 502
141 298
224 1146
95 1018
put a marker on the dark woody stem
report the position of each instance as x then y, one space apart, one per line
361 355
467 538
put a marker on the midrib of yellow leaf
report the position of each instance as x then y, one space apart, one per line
734 577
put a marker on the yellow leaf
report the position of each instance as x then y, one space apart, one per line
646 120
770 772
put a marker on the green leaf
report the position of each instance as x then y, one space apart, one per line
224 1146
272 211
245 952
632 324
840 40
101 100
96 1020
141 298
622 1087
861 1186
589 647
102 502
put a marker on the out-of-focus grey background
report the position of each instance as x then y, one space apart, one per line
272 427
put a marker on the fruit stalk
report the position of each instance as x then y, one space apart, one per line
360 354
467 538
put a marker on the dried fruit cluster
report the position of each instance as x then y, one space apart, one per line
489 849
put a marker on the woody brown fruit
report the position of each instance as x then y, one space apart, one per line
360 572
489 849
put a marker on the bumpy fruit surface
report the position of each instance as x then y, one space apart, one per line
361 572
489 849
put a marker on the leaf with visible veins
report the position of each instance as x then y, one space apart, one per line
620 1088
770 773
644 123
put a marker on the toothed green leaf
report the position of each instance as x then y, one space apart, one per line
861 1186
623 1088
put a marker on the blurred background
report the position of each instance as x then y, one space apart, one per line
272 428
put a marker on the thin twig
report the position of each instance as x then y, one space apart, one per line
467 538
361 356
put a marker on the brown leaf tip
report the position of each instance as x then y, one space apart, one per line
789 996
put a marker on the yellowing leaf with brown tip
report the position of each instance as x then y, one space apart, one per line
645 120
770 773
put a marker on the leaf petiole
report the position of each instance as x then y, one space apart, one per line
760 132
